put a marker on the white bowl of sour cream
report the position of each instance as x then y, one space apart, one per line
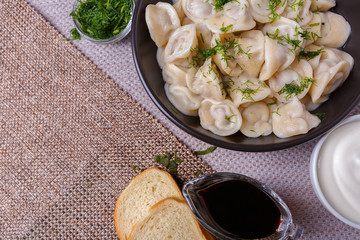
335 171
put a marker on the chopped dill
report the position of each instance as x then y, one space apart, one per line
273 4
222 48
294 89
247 92
277 111
228 118
308 55
219 4
272 103
75 35
298 19
227 28
175 110
321 116
226 85
102 19
296 5
314 24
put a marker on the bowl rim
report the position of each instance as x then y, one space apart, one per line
299 139
314 160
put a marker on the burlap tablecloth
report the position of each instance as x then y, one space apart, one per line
69 136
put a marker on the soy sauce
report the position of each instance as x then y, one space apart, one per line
239 208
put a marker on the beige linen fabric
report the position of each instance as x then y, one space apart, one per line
69 136
64 206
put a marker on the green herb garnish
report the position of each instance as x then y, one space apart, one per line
273 4
277 111
228 118
321 116
207 151
314 24
294 89
175 110
102 19
219 4
226 85
296 5
170 161
227 28
75 35
309 54
198 173
222 48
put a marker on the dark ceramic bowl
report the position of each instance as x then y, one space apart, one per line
336 108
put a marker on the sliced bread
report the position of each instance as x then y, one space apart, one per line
169 219
144 191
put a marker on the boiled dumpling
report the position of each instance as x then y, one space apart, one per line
333 69
180 44
204 36
227 51
252 42
183 99
293 82
261 9
299 11
335 30
313 29
179 10
247 89
175 75
281 45
235 16
161 20
314 60
256 120
160 52
276 56
207 82
322 5
293 119
286 32
220 117
198 10
309 104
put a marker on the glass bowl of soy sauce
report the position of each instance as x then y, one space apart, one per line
101 21
236 207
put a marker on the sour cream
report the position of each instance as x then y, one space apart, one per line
335 171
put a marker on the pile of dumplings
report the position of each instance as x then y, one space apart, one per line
255 66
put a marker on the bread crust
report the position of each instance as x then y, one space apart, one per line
159 205
138 180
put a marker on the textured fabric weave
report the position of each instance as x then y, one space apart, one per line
69 136
53 209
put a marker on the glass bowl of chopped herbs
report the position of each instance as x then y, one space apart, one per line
103 21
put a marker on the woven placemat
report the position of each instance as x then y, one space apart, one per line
70 139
